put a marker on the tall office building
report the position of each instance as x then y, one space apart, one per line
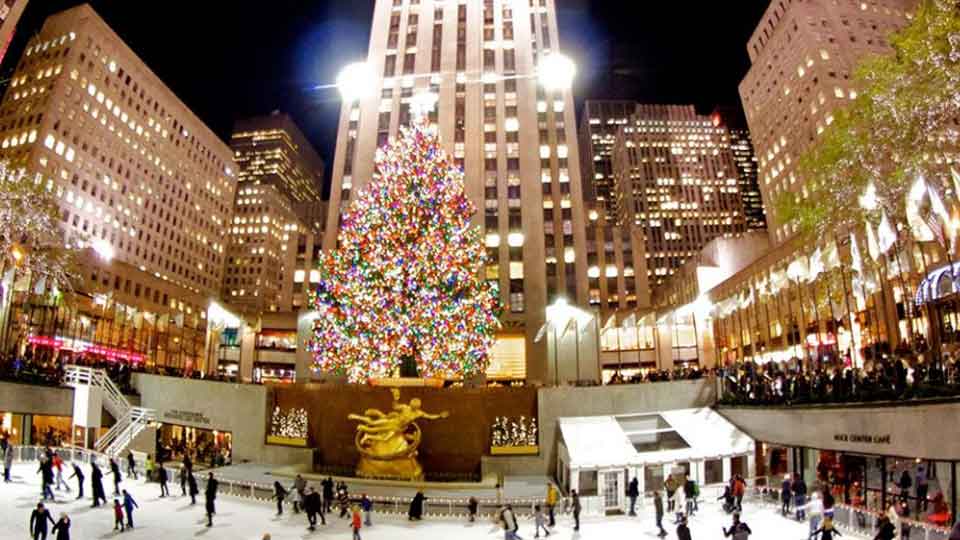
515 141
803 55
10 11
746 159
676 182
599 124
136 173
275 234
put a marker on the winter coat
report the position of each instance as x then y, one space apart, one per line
683 532
62 529
8 456
192 483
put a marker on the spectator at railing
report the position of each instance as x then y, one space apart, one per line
794 382
662 375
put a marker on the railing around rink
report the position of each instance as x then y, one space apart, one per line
455 507
857 520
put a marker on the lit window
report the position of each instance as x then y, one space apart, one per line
298 276
515 239
516 270
50 141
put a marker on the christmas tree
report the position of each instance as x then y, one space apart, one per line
404 286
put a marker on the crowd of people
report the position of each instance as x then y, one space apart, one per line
796 381
680 373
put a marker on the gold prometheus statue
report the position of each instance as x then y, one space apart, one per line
388 442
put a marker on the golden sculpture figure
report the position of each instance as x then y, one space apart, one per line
388 442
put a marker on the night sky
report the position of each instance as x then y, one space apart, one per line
227 60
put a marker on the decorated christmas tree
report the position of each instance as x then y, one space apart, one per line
404 287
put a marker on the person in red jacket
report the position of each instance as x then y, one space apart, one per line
356 522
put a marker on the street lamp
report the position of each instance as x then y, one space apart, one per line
356 81
103 249
556 72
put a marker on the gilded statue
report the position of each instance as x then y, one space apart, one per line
388 442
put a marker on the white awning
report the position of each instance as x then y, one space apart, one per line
600 442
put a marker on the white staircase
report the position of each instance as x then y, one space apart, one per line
130 420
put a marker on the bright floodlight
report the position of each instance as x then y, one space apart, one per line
556 72
356 81
103 249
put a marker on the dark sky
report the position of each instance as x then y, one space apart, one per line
227 60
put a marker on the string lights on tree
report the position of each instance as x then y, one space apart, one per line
404 286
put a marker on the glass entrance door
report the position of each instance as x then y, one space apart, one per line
612 490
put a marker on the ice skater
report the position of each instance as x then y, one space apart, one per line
683 531
210 493
539 522
366 505
279 493
115 471
356 522
38 522
132 466
313 505
7 460
162 477
46 477
118 516
129 504
78 474
633 491
658 508
62 528
192 484
575 505
58 467
96 484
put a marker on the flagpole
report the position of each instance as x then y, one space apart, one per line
846 302
904 293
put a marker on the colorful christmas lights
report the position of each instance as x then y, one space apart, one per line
405 281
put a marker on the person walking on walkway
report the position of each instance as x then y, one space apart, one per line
62 528
132 466
162 477
192 487
78 474
815 510
658 509
96 484
786 495
210 494
799 488
38 522
279 493
575 505
118 516
552 497
633 491
356 522
115 471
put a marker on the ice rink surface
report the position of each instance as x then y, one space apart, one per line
173 518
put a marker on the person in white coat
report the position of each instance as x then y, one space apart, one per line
680 499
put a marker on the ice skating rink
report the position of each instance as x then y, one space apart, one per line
173 518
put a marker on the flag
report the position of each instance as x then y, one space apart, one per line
540 333
816 265
872 248
610 321
886 235
856 260
630 321
938 220
797 271
956 180
831 256
921 229
570 323
40 285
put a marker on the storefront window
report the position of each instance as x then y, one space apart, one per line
283 340
205 446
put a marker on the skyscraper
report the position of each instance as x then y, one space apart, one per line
746 159
676 182
599 124
515 140
802 55
137 174
10 11
276 226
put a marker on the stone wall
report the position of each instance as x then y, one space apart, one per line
904 429
554 403
33 399
454 445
